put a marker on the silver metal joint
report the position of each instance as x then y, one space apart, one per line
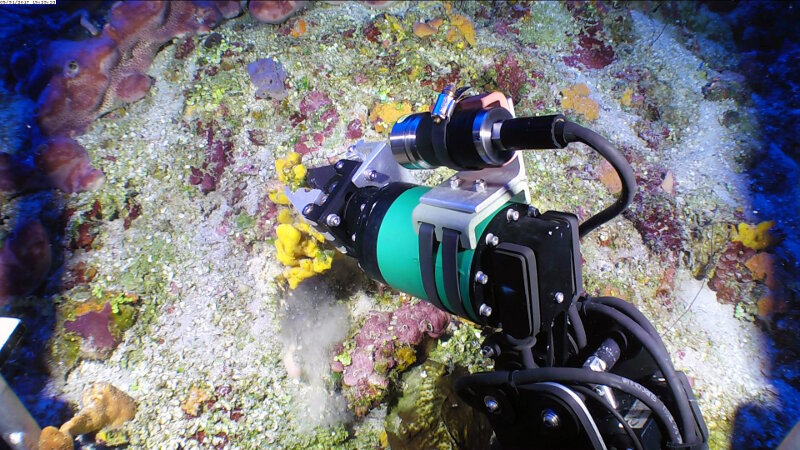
512 215
307 209
480 185
595 364
487 352
371 175
485 310
481 277
550 419
333 220
491 404
445 104
455 182
492 240
559 297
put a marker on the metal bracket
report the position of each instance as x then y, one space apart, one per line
378 169
467 198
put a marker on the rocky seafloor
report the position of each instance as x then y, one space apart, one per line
165 280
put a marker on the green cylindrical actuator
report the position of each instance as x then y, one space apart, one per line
398 253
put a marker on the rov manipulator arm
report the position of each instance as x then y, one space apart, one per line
630 328
571 371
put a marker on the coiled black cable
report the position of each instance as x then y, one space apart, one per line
661 358
571 375
637 444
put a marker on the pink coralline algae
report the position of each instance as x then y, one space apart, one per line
511 77
366 378
315 105
275 11
218 157
24 260
592 51
66 165
93 327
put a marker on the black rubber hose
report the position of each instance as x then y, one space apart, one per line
661 358
571 375
631 311
573 132
637 444
577 326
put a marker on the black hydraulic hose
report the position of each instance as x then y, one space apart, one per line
631 311
637 444
577 326
571 375
661 358
573 132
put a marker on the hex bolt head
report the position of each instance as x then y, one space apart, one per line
559 297
487 352
492 240
308 209
491 404
485 310
480 185
512 215
333 220
533 211
455 182
371 175
339 165
481 277
550 419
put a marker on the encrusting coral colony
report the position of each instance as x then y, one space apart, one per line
148 242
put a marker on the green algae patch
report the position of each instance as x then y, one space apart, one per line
419 420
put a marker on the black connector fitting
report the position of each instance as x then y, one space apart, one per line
533 133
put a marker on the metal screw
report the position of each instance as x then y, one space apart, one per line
600 391
324 198
533 211
550 419
481 277
333 186
512 215
371 175
363 205
492 240
480 185
491 404
485 310
308 209
333 220
339 165
16 438
353 237
487 352
559 297
455 182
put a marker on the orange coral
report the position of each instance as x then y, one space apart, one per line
762 266
756 237
462 27
384 115
300 27
576 98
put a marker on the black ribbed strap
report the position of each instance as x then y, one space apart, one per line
427 257
450 240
